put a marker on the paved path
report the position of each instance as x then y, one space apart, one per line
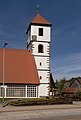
39 107
55 112
47 112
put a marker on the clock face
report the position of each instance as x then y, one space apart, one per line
34 37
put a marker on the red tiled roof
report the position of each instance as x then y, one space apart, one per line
39 19
70 90
19 67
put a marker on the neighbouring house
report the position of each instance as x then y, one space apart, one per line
72 87
26 73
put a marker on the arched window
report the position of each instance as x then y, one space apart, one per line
40 48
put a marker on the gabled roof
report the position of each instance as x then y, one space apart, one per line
39 20
73 85
78 79
19 67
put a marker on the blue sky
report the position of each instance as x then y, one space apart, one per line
65 16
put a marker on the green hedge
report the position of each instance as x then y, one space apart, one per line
39 101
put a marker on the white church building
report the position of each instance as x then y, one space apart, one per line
26 73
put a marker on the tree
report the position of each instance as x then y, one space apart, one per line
60 85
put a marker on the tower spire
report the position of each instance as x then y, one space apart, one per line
37 8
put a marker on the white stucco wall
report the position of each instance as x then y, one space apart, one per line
43 61
46 33
29 36
43 90
45 76
45 50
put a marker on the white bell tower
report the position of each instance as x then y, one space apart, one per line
39 35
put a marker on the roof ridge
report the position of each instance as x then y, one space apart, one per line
40 19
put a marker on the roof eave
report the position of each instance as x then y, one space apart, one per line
21 83
40 24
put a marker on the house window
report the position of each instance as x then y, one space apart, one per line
20 91
40 48
40 31
1 91
31 91
15 91
40 64
40 77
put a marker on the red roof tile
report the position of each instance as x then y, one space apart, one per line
39 19
71 90
19 67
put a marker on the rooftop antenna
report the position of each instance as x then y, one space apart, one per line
37 8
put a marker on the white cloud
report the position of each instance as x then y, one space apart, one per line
69 66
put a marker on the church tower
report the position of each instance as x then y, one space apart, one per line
39 35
